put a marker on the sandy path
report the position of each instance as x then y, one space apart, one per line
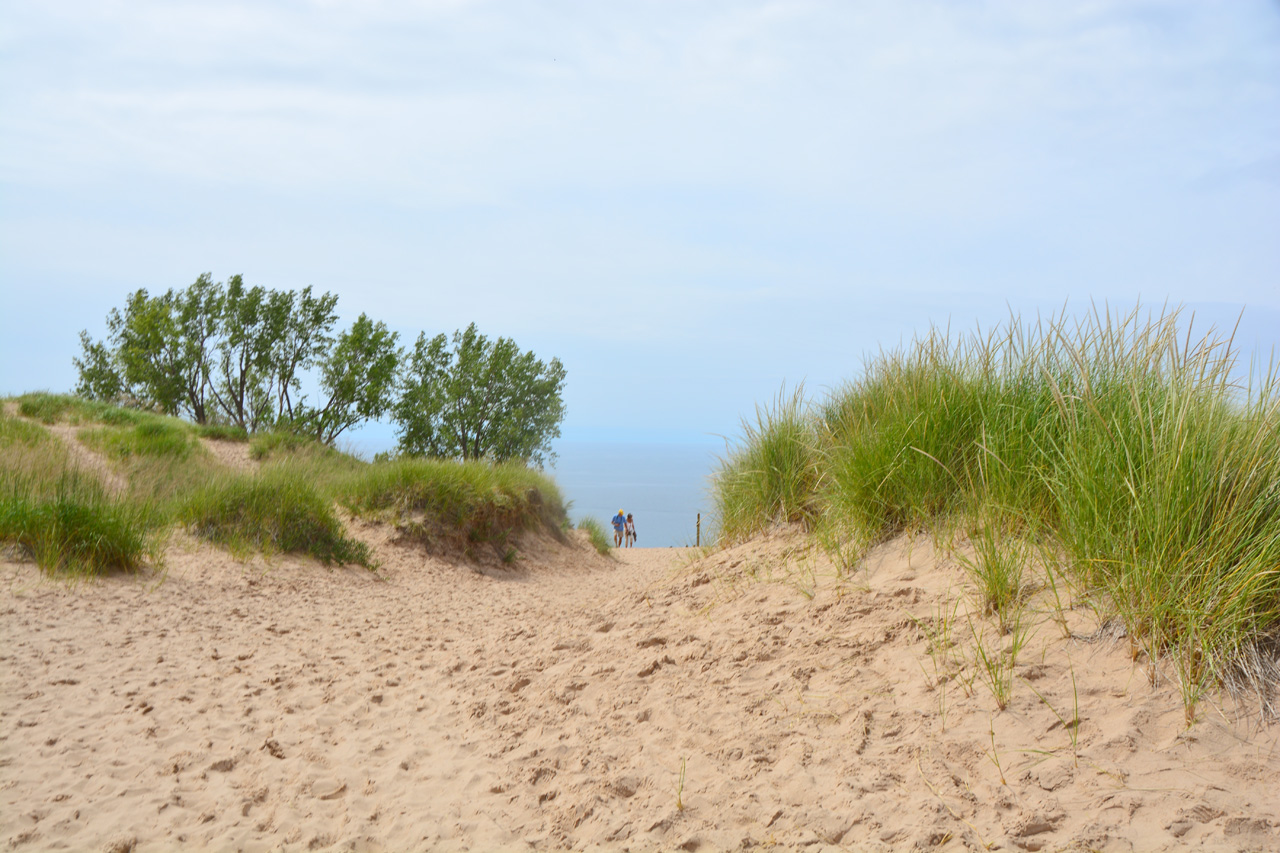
286 704
89 460
264 706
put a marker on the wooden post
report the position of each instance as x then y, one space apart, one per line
699 530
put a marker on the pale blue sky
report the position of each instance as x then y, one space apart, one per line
688 203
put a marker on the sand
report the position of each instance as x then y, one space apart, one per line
279 704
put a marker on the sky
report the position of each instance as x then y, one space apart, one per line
691 204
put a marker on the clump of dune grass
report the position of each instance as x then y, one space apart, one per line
266 444
456 504
45 407
16 431
153 436
73 527
272 513
1124 442
61 516
595 533
772 476
52 408
222 432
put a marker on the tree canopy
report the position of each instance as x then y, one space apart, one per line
228 353
480 399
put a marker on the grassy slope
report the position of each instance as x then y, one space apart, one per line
1117 451
64 516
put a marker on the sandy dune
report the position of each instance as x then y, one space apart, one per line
268 705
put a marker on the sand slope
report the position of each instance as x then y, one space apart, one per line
280 704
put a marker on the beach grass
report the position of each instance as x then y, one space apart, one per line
60 515
772 476
595 533
272 513
264 445
159 475
152 437
71 526
1125 442
455 503
50 408
222 432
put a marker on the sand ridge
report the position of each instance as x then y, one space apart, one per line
433 706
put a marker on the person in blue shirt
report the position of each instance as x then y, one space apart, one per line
619 523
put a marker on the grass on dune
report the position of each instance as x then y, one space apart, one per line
16 431
773 476
148 438
60 515
71 526
64 517
595 533
263 445
222 432
456 503
52 408
1121 440
272 513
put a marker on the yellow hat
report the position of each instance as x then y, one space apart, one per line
621 511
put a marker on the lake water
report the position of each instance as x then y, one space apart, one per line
663 485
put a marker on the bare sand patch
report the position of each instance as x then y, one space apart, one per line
233 454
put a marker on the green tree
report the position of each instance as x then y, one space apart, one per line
143 361
359 377
99 371
480 399
157 353
198 322
302 325
226 352
241 385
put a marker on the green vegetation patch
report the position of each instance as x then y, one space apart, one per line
457 503
264 445
58 511
222 432
595 532
1123 445
154 437
273 513
54 408
773 476
74 528
16 431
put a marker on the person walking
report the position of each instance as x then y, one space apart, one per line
619 523
629 531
